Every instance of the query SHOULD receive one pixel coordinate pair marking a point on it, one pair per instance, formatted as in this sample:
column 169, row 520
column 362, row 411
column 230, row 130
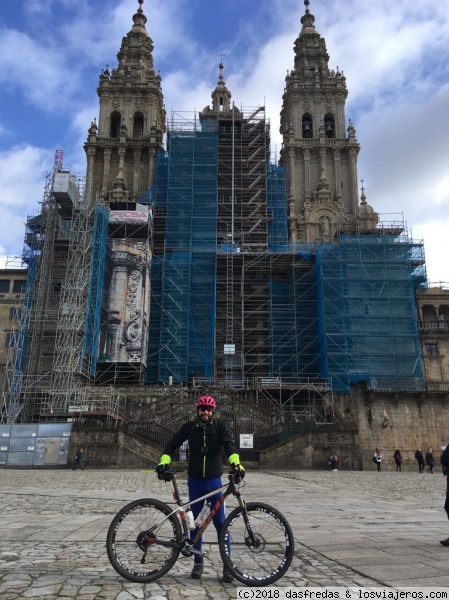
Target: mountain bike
column 147, row 536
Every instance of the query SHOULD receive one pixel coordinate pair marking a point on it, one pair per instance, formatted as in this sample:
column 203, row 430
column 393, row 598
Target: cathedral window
column 115, row 122
column 329, row 126
column 4, row 286
column 18, row 286
column 138, row 125
column 307, row 128
column 431, row 349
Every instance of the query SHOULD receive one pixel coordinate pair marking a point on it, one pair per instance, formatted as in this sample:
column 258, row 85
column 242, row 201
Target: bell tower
column 121, row 148
column 319, row 150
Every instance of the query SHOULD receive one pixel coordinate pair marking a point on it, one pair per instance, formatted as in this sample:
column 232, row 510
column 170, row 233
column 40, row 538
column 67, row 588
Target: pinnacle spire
column 139, row 18
column 221, row 80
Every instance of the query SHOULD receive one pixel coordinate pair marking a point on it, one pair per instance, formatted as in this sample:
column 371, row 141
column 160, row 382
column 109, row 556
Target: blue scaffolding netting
column 276, row 205
column 186, row 339
column 342, row 311
column 96, row 277
column 367, row 321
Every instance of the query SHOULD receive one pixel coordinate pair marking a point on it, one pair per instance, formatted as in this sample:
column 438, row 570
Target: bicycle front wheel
column 256, row 544
column 134, row 557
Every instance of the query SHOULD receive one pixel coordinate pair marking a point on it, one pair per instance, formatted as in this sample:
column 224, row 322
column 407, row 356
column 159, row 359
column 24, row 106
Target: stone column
column 151, row 166
column 106, row 167
column 337, row 167
column 306, row 152
column 353, row 198
column 291, row 171
column 90, row 171
column 137, row 157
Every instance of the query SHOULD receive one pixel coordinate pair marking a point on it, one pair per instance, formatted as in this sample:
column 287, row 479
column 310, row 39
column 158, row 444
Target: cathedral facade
column 193, row 260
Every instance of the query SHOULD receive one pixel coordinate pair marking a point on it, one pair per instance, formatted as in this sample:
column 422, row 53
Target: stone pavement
column 351, row 528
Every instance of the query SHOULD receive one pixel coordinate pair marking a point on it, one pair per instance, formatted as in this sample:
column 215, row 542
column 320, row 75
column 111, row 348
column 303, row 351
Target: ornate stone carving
column 126, row 336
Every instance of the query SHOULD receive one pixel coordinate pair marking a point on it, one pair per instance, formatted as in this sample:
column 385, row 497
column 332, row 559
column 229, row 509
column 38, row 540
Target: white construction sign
column 246, row 440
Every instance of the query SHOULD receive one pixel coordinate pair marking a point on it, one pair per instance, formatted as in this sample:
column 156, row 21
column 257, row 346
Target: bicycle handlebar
column 235, row 475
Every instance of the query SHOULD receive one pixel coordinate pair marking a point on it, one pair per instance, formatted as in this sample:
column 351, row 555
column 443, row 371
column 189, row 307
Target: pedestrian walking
column 429, row 461
column 398, row 460
column 78, row 459
column 377, row 458
column 420, row 459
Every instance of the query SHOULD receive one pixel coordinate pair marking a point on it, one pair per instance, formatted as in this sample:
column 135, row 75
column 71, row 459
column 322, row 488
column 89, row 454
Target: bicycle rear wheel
column 133, row 557
column 265, row 560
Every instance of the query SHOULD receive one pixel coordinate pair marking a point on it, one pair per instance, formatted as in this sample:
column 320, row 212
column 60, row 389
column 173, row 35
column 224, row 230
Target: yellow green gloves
column 234, row 461
column 165, row 459
column 162, row 466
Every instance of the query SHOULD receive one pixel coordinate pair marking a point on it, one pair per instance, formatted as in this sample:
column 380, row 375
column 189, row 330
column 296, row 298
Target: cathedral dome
column 366, row 214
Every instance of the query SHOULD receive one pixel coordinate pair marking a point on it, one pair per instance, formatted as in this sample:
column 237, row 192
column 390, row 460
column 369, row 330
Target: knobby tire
column 123, row 550
column 270, row 559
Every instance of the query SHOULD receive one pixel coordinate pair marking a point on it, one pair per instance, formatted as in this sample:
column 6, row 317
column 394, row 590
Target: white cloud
column 404, row 162
column 98, row 40
column 38, row 71
column 436, row 246
column 33, row 8
column 22, row 179
column 81, row 122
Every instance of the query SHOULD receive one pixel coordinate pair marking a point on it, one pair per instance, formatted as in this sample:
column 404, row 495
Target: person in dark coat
column 78, row 459
column 445, row 464
column 420, row 459
column 207, row 436
column 333, row 461
column 429, row 461
column 398, row 460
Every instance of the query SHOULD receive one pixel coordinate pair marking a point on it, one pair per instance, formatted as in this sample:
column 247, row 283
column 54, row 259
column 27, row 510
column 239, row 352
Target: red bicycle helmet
column 206, row 401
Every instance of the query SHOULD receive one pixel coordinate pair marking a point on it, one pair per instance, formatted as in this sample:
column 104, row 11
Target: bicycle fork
column 250, row 539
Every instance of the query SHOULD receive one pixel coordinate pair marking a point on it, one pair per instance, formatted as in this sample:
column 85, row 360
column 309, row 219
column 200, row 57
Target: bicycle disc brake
column 256, row 543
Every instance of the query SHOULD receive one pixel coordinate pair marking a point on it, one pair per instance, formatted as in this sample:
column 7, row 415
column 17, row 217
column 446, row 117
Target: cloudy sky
column 394, row 53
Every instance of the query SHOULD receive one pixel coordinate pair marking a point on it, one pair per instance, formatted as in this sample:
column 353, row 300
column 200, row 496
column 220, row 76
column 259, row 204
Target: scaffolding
column 188, row 266
column 119, row 293
column 159, row 200
column 30, row 358
column 243, row 259
column 277, row 206
column 232, row 302
column 368, row 329
column 69, row 375
column 94, row 302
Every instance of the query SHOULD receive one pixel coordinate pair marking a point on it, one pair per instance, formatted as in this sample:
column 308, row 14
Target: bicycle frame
column 231, row 489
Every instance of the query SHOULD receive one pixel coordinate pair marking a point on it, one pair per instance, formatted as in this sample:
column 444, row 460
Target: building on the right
column 432, row 304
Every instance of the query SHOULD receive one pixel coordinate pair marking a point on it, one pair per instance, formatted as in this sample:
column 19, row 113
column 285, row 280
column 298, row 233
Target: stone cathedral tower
column 121, row 167
column 320, row 153
column 121, row 150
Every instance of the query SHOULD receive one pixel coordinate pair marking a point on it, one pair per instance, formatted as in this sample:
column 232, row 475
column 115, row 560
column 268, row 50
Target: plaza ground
column 352, row 528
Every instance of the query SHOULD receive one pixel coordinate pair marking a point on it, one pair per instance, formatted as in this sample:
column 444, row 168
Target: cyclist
column 206, row 436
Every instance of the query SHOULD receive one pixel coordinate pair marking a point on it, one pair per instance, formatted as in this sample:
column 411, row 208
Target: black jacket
column 445, row 456
column 205, row 444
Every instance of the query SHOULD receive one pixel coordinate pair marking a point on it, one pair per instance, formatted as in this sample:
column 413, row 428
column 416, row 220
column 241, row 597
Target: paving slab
column 359, row 529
